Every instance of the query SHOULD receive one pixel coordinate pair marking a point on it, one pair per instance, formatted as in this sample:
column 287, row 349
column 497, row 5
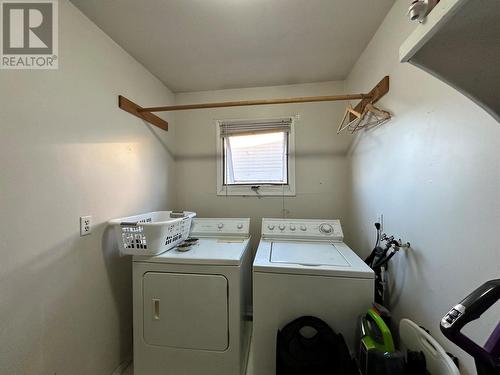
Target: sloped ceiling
column 194, row 45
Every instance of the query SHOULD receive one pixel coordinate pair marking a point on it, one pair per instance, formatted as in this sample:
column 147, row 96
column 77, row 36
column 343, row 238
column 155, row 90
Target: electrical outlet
column 380, row 220
column 85, row 225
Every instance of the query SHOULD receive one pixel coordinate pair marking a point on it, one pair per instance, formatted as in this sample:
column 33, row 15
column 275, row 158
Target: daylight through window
column 256, row 158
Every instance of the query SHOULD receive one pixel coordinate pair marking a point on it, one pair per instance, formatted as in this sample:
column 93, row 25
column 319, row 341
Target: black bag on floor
column 322, row 353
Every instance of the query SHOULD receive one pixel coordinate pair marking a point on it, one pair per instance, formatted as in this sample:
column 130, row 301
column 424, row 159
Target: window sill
column 264, row 191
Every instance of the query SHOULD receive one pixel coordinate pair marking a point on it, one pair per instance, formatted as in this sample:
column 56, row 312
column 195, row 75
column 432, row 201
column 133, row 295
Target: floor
column 130, row 369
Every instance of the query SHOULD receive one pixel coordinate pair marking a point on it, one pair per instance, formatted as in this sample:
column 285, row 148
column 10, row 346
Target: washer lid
column 334, row 259
column 307, row 254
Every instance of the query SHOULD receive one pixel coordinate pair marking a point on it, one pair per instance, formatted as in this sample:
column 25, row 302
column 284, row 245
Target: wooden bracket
column 131, row 107
column 373, row 96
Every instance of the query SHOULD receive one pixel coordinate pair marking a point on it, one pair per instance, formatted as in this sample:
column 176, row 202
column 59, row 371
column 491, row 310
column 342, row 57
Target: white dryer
column 302, row 267
column 190, row 307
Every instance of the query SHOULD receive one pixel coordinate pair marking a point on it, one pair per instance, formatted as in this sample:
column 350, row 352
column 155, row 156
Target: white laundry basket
column 416, row 339
column 152, row 233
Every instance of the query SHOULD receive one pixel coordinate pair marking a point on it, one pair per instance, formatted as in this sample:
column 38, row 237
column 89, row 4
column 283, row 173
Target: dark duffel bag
column 323, row 352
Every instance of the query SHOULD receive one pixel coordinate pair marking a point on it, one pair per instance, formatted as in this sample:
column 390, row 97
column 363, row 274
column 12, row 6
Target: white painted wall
column 321, row 166
column 434, row 172
column 66, row 150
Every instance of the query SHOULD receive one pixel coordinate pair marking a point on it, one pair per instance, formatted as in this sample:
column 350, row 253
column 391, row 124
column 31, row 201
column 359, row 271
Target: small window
column 255, row 157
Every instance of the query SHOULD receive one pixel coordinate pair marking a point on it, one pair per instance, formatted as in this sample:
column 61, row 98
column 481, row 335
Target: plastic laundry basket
column 414, row 338
column 152, row 233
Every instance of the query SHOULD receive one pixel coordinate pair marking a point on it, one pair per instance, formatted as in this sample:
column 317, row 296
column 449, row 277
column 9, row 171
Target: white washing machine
column 190, row 307
column 302, row 267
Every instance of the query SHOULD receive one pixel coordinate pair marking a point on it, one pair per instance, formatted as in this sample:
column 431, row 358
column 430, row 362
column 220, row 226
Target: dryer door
column 186, row 310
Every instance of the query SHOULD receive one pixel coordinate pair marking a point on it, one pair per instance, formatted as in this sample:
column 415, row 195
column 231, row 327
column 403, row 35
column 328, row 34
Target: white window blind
column 252, row 127
column 256, row 152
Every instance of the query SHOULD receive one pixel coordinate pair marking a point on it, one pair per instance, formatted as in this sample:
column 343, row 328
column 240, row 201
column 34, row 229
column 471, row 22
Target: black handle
column 476, row 303
column 468, row 310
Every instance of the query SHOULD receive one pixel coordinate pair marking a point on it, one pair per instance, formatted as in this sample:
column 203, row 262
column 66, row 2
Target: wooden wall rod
column 145, row 113
column 241, row 103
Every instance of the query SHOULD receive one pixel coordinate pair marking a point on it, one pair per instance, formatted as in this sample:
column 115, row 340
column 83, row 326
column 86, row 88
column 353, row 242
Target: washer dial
column 325, row 228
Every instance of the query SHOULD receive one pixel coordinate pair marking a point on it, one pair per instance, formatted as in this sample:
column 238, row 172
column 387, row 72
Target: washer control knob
column 220, row 225
column 239, row 226
column 303, row 228
column 292, row 227
column 282, row 227
column 325, row 228
column 270, row 227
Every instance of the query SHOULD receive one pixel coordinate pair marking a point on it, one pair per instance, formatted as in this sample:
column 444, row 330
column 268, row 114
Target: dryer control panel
column 236, row 227
column 305, row 229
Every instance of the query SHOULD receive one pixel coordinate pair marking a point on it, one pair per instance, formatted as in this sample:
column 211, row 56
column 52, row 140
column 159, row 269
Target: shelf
column 459, row 43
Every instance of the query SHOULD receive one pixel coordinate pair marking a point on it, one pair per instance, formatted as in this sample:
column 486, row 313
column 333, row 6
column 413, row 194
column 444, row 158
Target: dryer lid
column 224, row 251
column 307, row 254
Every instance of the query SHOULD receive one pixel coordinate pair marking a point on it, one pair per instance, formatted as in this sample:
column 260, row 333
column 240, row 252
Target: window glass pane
column 256, row 158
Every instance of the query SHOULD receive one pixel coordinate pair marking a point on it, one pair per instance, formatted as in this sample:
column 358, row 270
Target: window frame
column 265, row 189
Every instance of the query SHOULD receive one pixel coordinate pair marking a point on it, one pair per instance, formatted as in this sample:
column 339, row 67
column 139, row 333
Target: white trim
column 436, row 19
column 264, row 190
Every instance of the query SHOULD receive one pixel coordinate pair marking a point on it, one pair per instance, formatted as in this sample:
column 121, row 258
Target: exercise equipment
column 487, row 357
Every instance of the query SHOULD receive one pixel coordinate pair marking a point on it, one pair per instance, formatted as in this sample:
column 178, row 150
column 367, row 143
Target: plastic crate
column 152, row 233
